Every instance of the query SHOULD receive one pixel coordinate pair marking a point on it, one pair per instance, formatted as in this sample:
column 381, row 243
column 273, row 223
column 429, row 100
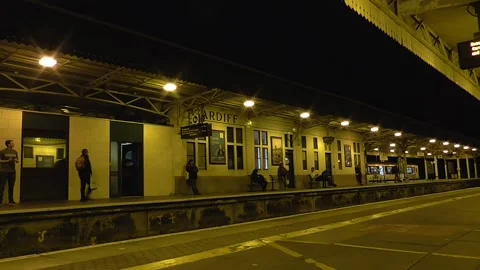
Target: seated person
column 314, row 176
column 327, row 176
column 259, row 179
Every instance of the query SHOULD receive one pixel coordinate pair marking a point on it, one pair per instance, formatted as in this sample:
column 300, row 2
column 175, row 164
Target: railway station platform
column 436, row 231
column 34, row 229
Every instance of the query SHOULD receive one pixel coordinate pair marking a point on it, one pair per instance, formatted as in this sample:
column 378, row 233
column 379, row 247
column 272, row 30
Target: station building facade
column 138, row 159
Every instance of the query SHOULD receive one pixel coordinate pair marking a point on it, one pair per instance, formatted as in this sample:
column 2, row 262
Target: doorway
column 290, row 167
column 126, row 169
column 328, row 162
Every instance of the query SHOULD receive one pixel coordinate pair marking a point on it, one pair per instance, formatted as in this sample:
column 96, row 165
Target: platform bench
column 253, row 186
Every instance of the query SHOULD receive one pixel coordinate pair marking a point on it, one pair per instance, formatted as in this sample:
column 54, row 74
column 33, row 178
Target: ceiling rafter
column 42, row 89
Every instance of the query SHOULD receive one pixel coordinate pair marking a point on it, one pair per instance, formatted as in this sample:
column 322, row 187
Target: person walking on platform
column 8, row 158
column 192, row 176
column 84, row 168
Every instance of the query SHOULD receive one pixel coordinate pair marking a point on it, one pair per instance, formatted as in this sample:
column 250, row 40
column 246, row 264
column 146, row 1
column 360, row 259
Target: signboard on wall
column 469, row 54
column 213, row 116
column 196, row 131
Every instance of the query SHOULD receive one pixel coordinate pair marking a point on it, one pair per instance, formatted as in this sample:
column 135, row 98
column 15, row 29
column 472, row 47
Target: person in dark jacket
column 84, row 168
column 259, row 179
column 358, row 175
column 328, row 178
column 192, row 171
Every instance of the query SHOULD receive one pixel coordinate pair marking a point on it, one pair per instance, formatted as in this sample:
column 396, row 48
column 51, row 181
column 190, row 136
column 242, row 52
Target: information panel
column 196, row 131
column 469, row 54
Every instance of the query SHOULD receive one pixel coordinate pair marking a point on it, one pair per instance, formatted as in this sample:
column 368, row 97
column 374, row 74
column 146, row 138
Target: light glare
column 345, row 123
column 398, row 134
column 47, row 61
column 248, row 103
column 305, row 115
column 169, row 87
column 374, row 129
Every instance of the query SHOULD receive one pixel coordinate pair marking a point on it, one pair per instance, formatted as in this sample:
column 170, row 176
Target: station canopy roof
column 79, row 86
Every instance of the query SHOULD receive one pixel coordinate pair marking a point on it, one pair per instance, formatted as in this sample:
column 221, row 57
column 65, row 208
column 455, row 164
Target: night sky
column 319, row 49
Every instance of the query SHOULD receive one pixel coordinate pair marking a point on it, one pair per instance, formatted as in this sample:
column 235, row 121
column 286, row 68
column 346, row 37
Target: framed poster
column 348, row 155
column 277, row 150
column 217, row 147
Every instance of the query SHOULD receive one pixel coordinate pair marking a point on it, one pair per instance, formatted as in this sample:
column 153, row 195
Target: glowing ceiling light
column 47, row 62
column 456, row 145
column 423, row 148
column 466, row 147
column 392, row 145
column 406, row 152
column 429, row 154
column 345, row 123
column 474, row 149
column 432, row 140
column 375, row 149
column 170, row 87
column 398, row 134
column 454, row 153
column 392, row 150
column 374, row 129
column 249, row 103
column 446, row 143
column 305, row 115
column 445, row 151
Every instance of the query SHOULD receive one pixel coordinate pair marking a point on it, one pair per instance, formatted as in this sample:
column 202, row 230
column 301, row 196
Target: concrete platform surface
column 438, row 231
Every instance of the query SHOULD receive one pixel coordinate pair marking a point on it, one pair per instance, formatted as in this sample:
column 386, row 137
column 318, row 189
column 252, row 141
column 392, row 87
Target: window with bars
column 197, row 151
column 260, row 141
column 339, row 155
column 235, row 148
column 357, row 154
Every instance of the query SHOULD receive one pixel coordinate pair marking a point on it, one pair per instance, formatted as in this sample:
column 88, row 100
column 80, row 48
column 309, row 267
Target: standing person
column 8, row 158
column 84, row 168
column 282, row 174
column 358, row 174
column 192, row 171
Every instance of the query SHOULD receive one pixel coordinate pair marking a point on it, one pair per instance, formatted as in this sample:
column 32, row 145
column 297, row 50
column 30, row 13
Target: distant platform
column 138, row 201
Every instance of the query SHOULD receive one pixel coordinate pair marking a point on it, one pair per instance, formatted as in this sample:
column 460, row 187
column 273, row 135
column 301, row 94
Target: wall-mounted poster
column 277, row 150
column 217, row 147
column 348, row 155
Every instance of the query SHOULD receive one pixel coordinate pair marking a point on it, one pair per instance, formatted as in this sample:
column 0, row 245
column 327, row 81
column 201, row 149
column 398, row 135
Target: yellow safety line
column 298, row 255
column 268, row 240
column 381, row 249
column 456, row 256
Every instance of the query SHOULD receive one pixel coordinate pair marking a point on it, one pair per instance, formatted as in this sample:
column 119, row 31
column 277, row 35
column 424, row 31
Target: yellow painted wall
column 158, row 160
column 93, row 134
column 11, row 129
column 276, row 127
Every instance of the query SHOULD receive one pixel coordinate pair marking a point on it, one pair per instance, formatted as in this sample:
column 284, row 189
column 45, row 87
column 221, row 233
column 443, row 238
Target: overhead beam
column 420, row 40
column 416, row 7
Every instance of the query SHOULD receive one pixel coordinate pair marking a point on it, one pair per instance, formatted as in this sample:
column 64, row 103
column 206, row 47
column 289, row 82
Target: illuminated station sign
column 469, row 54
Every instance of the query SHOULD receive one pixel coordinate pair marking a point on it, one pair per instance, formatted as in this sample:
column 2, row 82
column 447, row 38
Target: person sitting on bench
column 315, row 177
column 327, row 178
column 259, row 179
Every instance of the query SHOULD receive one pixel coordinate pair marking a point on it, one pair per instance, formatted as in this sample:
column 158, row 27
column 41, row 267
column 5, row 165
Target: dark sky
column 326, row 47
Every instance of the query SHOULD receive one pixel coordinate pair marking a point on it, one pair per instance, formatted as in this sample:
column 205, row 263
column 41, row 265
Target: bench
column 316, row 184
column 253, row 186
column 274, row 179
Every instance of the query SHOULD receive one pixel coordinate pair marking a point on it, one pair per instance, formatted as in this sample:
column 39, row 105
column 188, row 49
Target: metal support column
column 426, row 168
column 468, row 166
column 436, row 166
column 446, row 167
column 475, row 167
column 459, row 175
